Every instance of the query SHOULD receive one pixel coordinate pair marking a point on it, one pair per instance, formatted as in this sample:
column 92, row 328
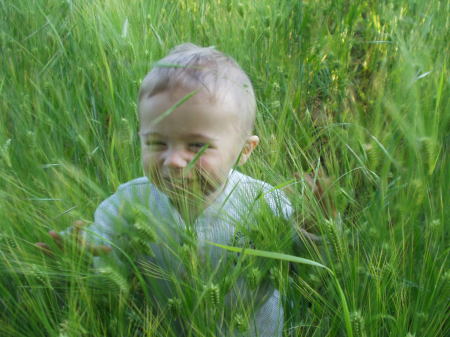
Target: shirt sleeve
column 279, row 203
column 106, row 230
column 114, row 224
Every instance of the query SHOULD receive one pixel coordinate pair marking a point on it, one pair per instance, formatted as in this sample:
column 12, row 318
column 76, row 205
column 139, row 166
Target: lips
column 176, row 184
column 172, row 180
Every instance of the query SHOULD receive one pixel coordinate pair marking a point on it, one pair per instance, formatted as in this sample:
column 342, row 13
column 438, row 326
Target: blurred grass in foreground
column 359, row 89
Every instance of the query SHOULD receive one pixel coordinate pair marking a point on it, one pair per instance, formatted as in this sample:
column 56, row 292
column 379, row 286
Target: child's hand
column 320, row 185
column 76, row 236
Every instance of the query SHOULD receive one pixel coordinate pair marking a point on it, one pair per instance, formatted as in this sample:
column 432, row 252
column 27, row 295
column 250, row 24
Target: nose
column 175, row 158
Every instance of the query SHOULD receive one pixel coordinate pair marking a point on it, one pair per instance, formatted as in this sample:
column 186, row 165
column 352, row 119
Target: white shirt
column 146, row 230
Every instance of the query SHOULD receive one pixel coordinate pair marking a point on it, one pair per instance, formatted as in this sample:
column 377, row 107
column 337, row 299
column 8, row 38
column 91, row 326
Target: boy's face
column 170, row 144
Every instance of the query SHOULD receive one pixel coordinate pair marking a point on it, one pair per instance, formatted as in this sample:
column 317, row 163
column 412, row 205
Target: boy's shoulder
column 131, row 191
column 141, row 182
column 249, row 189
column 251, row 185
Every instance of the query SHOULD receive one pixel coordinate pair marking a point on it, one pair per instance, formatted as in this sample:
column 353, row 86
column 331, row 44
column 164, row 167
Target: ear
column 250, row 144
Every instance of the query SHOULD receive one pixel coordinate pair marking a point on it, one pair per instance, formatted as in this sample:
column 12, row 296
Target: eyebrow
column 149, row 133
column 190, row 135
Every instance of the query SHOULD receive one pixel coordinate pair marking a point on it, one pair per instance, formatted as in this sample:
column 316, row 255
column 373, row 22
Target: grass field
column 356, row 89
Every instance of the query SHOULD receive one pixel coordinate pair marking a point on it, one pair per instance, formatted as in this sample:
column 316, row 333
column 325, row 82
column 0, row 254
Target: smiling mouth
column 176, row 184
column 176, row 180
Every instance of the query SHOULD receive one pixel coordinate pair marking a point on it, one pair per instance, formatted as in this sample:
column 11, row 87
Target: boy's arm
column 74, row 235
column 93, row 237
column 308, row 235
column 109, row 230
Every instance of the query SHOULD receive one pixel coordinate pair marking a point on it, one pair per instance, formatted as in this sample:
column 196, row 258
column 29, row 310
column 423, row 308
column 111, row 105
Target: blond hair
column 204, row 68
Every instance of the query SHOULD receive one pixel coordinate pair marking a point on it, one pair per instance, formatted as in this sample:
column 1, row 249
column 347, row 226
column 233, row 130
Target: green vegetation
column 358, row 89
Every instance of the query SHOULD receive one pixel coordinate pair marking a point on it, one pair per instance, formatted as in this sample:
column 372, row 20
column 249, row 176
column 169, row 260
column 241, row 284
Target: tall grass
column 357, row 89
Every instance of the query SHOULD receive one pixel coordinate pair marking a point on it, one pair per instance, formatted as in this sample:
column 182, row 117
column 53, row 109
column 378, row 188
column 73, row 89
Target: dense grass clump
column 356, row 89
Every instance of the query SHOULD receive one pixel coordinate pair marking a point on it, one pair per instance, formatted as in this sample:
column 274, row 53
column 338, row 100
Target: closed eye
column 198, row 146
column 155, row 143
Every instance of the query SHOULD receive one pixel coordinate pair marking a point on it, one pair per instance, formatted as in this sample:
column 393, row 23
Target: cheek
column 215, row 166
column 204, row 163
column 149, row 163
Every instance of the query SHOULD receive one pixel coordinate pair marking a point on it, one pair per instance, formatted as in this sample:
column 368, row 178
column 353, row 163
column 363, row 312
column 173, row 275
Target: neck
column 190, row 207
column 188, row 210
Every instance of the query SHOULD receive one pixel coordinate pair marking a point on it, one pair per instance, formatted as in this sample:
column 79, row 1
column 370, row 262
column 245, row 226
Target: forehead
column 187, row 111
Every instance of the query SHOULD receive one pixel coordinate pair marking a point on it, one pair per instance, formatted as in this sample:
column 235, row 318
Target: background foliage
column 358, row 89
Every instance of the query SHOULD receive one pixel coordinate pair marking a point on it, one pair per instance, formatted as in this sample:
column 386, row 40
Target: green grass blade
column 172, row 108
column 270, row 255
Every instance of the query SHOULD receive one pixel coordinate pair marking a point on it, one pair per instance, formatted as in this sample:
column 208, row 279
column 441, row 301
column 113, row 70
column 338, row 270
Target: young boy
column 197, row 110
